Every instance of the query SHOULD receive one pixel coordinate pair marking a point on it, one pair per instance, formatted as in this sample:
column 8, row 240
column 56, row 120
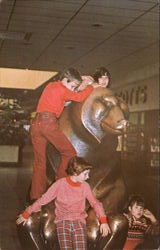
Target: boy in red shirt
column 70, row 194
column 45, row 127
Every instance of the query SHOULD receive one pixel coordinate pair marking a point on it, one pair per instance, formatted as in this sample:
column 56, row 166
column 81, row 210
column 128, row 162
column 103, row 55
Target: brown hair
column 101, row 72
column 134, row 199
column 71, row 74
column 77, row 165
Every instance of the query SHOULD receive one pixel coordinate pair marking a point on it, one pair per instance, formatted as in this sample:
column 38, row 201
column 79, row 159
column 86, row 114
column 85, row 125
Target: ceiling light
column 70, row 47
column 97, row 25
column 19, row 36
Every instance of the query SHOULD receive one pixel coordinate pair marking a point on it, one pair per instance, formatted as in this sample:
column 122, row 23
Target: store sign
column 134, row 96
column 142, row 95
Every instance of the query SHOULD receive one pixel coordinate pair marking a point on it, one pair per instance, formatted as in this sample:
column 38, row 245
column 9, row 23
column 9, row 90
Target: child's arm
column 80, row 96
column 150, row 216
column 153, row 228
column 86, row 80
column 98, row 207
column 36, row 206
column 77, row 96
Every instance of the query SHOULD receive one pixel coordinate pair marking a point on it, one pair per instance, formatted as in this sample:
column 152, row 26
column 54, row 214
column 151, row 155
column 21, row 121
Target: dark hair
column 71, row 74
column 101, row 72
column 135, row 199
column 77, row 165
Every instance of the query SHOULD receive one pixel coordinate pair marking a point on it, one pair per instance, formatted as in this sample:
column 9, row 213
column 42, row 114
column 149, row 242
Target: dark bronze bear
column 93, row 128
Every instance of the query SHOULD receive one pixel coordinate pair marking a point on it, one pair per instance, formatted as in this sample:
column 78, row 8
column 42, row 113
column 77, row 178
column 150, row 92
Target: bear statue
column 93, row 127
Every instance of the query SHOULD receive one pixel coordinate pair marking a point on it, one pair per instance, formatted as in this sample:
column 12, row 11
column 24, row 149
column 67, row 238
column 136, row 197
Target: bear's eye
column 110, row 101
column 109, row 104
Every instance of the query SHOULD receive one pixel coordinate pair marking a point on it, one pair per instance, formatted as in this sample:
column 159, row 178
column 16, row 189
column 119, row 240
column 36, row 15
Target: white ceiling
column 55, row 34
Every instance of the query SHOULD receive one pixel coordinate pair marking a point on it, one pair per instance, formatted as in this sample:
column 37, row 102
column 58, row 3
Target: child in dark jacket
column 141, row 223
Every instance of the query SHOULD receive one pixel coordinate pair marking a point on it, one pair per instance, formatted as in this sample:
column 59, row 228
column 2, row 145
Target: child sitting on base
column 141, row 223
column 70, row 194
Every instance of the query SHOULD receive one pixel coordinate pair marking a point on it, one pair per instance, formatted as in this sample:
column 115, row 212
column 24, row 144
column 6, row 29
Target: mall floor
column 14, row 184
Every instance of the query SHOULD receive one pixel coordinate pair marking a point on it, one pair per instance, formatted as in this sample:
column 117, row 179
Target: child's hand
column 104, row 229
column 20, row 220
column 86, row 80
column 149, row 215
column 95, row 85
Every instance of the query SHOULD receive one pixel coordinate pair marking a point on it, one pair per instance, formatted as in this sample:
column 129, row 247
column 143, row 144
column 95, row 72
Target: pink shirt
column 70, row 201
column 55, row 95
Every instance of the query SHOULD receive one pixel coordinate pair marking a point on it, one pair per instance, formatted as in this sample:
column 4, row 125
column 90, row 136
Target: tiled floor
column 14, row 183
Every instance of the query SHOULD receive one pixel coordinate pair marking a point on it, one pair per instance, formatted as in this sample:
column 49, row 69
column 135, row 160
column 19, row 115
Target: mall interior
column 39, row 39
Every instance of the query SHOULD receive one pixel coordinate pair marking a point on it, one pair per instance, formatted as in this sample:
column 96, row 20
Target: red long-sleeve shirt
column 56, row 94
column 70, row 199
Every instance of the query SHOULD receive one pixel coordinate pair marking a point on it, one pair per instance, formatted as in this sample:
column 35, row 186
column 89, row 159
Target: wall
column 141, row 95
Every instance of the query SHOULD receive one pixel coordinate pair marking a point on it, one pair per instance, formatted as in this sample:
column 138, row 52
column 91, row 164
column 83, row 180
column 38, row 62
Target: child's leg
column 79, row 235
column 64, row 233
column 55, row 135
column 38, row 186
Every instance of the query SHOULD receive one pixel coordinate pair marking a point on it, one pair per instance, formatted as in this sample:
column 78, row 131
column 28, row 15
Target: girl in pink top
column 70, row 195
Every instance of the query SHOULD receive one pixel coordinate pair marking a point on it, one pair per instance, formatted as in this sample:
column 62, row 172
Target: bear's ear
column 90, row 114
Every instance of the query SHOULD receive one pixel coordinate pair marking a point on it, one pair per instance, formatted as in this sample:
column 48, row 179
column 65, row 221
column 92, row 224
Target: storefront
column 139, row 146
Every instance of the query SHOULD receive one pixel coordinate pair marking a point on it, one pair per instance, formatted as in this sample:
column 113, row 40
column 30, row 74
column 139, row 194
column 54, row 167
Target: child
column 141, row 221
column 45, row 127
column 70, row 194
column 101, row 76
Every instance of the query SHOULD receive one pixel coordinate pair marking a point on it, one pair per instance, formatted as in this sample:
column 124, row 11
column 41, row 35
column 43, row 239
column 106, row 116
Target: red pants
column 45, row 128
column 72, row 235
column 132, row 244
